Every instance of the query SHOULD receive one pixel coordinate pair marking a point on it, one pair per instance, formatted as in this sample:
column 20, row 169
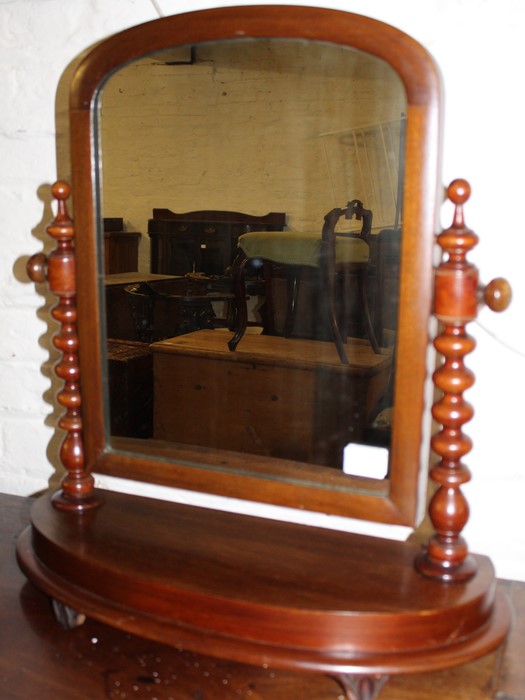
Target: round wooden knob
column 37, row 267
column 497, row 294
column 458, row 191
column 61, row 190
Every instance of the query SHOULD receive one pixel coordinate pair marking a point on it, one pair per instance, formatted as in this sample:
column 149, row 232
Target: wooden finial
column 61, row 191
column 446, row 556
column 458, row 192
column 456, row 299
column 58, row 268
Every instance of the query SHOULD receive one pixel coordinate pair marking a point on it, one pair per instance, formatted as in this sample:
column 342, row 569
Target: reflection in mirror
column 206, row 143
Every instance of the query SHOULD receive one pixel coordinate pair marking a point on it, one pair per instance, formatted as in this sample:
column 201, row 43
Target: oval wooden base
column 259, row 591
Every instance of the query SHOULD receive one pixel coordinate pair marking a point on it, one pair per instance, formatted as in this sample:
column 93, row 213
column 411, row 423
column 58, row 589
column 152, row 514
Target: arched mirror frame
column 392, row 501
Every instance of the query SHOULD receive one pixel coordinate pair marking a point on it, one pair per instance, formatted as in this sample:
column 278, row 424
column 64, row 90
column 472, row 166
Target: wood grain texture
column 267, row 350
column 94, row 661
column 421, row 80
column 274, row 396
column 269, row 593
column 58, row 268
column 455, row 304
column 456, row 301
column 259, row 591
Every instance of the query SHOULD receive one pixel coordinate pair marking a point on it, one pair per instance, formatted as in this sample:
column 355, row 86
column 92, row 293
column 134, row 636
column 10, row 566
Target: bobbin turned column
column 58, row 269
column 456, row 299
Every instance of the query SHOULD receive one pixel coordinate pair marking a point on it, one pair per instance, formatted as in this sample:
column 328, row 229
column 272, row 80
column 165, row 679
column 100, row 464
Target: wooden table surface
column 40, row 660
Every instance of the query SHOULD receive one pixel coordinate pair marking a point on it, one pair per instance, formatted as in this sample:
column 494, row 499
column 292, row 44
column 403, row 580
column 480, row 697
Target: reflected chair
column 336, row 255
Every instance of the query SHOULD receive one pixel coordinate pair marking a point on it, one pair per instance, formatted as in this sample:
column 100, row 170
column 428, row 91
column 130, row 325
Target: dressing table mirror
column 200, row 130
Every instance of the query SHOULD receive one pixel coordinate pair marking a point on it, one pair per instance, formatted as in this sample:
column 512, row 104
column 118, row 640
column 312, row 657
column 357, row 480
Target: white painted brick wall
column 260, row 119
column 479, row 47
column 37, row 41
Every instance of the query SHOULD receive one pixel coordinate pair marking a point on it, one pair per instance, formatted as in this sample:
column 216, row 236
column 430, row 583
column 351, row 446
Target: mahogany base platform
column 261, row 592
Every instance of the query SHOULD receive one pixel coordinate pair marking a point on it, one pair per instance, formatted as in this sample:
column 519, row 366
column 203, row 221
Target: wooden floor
column 40, row 660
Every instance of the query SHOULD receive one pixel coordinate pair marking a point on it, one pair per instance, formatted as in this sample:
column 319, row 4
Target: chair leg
column 292, row 282
column 269, row 307
column 363, row 287
column 339, row 344
column 239, row 293
column 328, row 283
column 378, row 303
column 344, row 295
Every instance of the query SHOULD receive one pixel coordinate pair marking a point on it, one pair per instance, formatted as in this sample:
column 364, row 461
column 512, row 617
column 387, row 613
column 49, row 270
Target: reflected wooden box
column 130, row 388
column 273, row 396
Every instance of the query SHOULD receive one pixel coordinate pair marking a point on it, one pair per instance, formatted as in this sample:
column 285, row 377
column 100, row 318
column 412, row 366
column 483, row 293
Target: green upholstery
column 296, row 248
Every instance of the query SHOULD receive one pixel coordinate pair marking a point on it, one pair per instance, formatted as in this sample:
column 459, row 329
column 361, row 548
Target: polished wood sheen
column 398, row 501
column 40, row 659
column 257, row 591
column 260, row 591
column 456, row 301
column 59, row 270
column 251, row 590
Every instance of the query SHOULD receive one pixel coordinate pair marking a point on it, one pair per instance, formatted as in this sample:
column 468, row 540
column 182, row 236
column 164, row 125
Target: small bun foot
column 66, row 617
column 358, row 687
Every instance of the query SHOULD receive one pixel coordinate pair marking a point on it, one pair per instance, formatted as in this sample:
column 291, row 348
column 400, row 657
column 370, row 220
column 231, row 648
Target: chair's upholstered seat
column 296, row 248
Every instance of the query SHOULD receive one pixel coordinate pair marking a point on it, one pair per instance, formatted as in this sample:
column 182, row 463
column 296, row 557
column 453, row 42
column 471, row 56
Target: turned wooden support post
column 58, row 268
column 456, row 299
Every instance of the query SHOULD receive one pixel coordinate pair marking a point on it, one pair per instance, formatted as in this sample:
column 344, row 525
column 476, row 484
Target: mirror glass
column 286, row 127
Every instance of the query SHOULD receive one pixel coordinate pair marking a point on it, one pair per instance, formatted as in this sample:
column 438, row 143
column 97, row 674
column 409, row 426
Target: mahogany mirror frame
column 394, row 500
column 251, row 589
